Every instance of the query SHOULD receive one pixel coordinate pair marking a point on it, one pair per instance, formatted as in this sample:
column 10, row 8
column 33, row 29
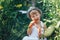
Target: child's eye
column 36, row 15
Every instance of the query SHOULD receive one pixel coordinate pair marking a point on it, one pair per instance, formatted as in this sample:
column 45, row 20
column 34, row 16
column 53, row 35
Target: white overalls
column 34, row 34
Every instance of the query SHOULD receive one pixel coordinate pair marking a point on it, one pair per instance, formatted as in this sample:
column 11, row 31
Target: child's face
column 35, row 15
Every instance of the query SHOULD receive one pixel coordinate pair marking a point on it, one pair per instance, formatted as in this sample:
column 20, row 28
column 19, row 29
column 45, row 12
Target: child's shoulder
column 42, row 23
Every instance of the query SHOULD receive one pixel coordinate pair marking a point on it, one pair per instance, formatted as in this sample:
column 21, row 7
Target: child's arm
column 29, row 30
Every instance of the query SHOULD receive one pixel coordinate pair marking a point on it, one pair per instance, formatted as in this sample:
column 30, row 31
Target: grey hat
column 33, row 8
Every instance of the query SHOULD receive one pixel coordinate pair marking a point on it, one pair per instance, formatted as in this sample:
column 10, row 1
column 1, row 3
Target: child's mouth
column 36, row 20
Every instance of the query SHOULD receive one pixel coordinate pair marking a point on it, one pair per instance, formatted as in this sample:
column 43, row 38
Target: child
column 36, row 27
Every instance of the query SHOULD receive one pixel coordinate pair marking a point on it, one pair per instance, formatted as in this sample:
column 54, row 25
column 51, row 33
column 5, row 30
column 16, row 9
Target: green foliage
column 49, row 31
column 13, row 25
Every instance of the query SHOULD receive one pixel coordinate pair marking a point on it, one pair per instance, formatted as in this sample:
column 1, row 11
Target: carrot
column 31, row 24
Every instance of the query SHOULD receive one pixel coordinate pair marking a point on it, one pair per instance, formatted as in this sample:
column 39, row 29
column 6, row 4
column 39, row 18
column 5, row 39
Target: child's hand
column 39, row 32
column 31, row 24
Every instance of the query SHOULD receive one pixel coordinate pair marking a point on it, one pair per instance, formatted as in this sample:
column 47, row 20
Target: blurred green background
column 13, row 24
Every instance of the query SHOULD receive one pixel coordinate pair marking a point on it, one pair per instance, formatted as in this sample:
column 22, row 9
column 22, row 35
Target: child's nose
column 35, row 17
